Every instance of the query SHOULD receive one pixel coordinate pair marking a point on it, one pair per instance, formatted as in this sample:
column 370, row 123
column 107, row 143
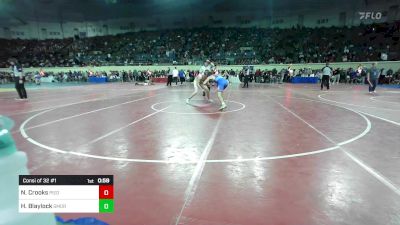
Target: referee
column 326, row 75
column 19, row 79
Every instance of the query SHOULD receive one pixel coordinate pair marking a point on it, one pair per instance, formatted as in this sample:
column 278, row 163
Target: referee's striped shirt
column 327, row 71
column 17, row 71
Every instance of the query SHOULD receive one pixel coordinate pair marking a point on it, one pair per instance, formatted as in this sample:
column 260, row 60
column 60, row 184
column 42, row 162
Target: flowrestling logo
column 370, row 15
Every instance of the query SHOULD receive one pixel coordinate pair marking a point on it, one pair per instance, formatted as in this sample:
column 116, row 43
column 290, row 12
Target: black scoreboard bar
column 66, row 179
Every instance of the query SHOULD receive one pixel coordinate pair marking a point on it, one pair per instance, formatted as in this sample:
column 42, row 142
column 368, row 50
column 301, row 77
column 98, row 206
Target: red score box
column 106, row 192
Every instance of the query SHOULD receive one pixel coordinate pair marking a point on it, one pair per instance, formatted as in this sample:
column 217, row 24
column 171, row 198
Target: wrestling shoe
column 223, row 106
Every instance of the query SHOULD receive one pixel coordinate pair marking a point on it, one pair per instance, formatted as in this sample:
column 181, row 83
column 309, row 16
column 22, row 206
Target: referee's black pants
column 325, row 81
column 169, row 81
column 20, row 87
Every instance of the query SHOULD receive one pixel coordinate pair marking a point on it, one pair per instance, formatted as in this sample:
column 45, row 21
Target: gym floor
column 279, row 154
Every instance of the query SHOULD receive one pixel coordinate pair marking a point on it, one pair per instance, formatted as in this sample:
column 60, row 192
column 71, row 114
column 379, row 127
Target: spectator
column 182, row 76
column 169, row 81
column 246, row 77
column 372, row 78
column 336, row 76
column 175, row 75
column 225, row 45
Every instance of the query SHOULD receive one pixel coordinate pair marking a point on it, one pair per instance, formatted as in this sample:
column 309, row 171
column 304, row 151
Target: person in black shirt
column 246, row 78
column 169, row 79
column 19, row 79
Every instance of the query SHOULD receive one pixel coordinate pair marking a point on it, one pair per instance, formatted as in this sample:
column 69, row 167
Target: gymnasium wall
column 394, row 65
column 333, row 16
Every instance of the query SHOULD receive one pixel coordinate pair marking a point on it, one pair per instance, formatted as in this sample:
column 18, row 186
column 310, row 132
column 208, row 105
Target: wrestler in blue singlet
column 221, row 82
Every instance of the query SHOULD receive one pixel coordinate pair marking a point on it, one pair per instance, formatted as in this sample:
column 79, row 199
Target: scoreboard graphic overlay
column 66, row 193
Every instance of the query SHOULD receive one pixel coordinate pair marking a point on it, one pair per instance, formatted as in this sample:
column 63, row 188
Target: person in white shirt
column 290, row 73
column 205, row 70
column 175, row 74
column 149, row 77
column 326, row 75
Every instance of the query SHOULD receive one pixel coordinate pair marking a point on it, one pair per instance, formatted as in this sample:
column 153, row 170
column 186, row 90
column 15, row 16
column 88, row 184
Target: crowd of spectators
column 348, row 76
column 340, row 75
column 83, row 76
column 222, row 45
